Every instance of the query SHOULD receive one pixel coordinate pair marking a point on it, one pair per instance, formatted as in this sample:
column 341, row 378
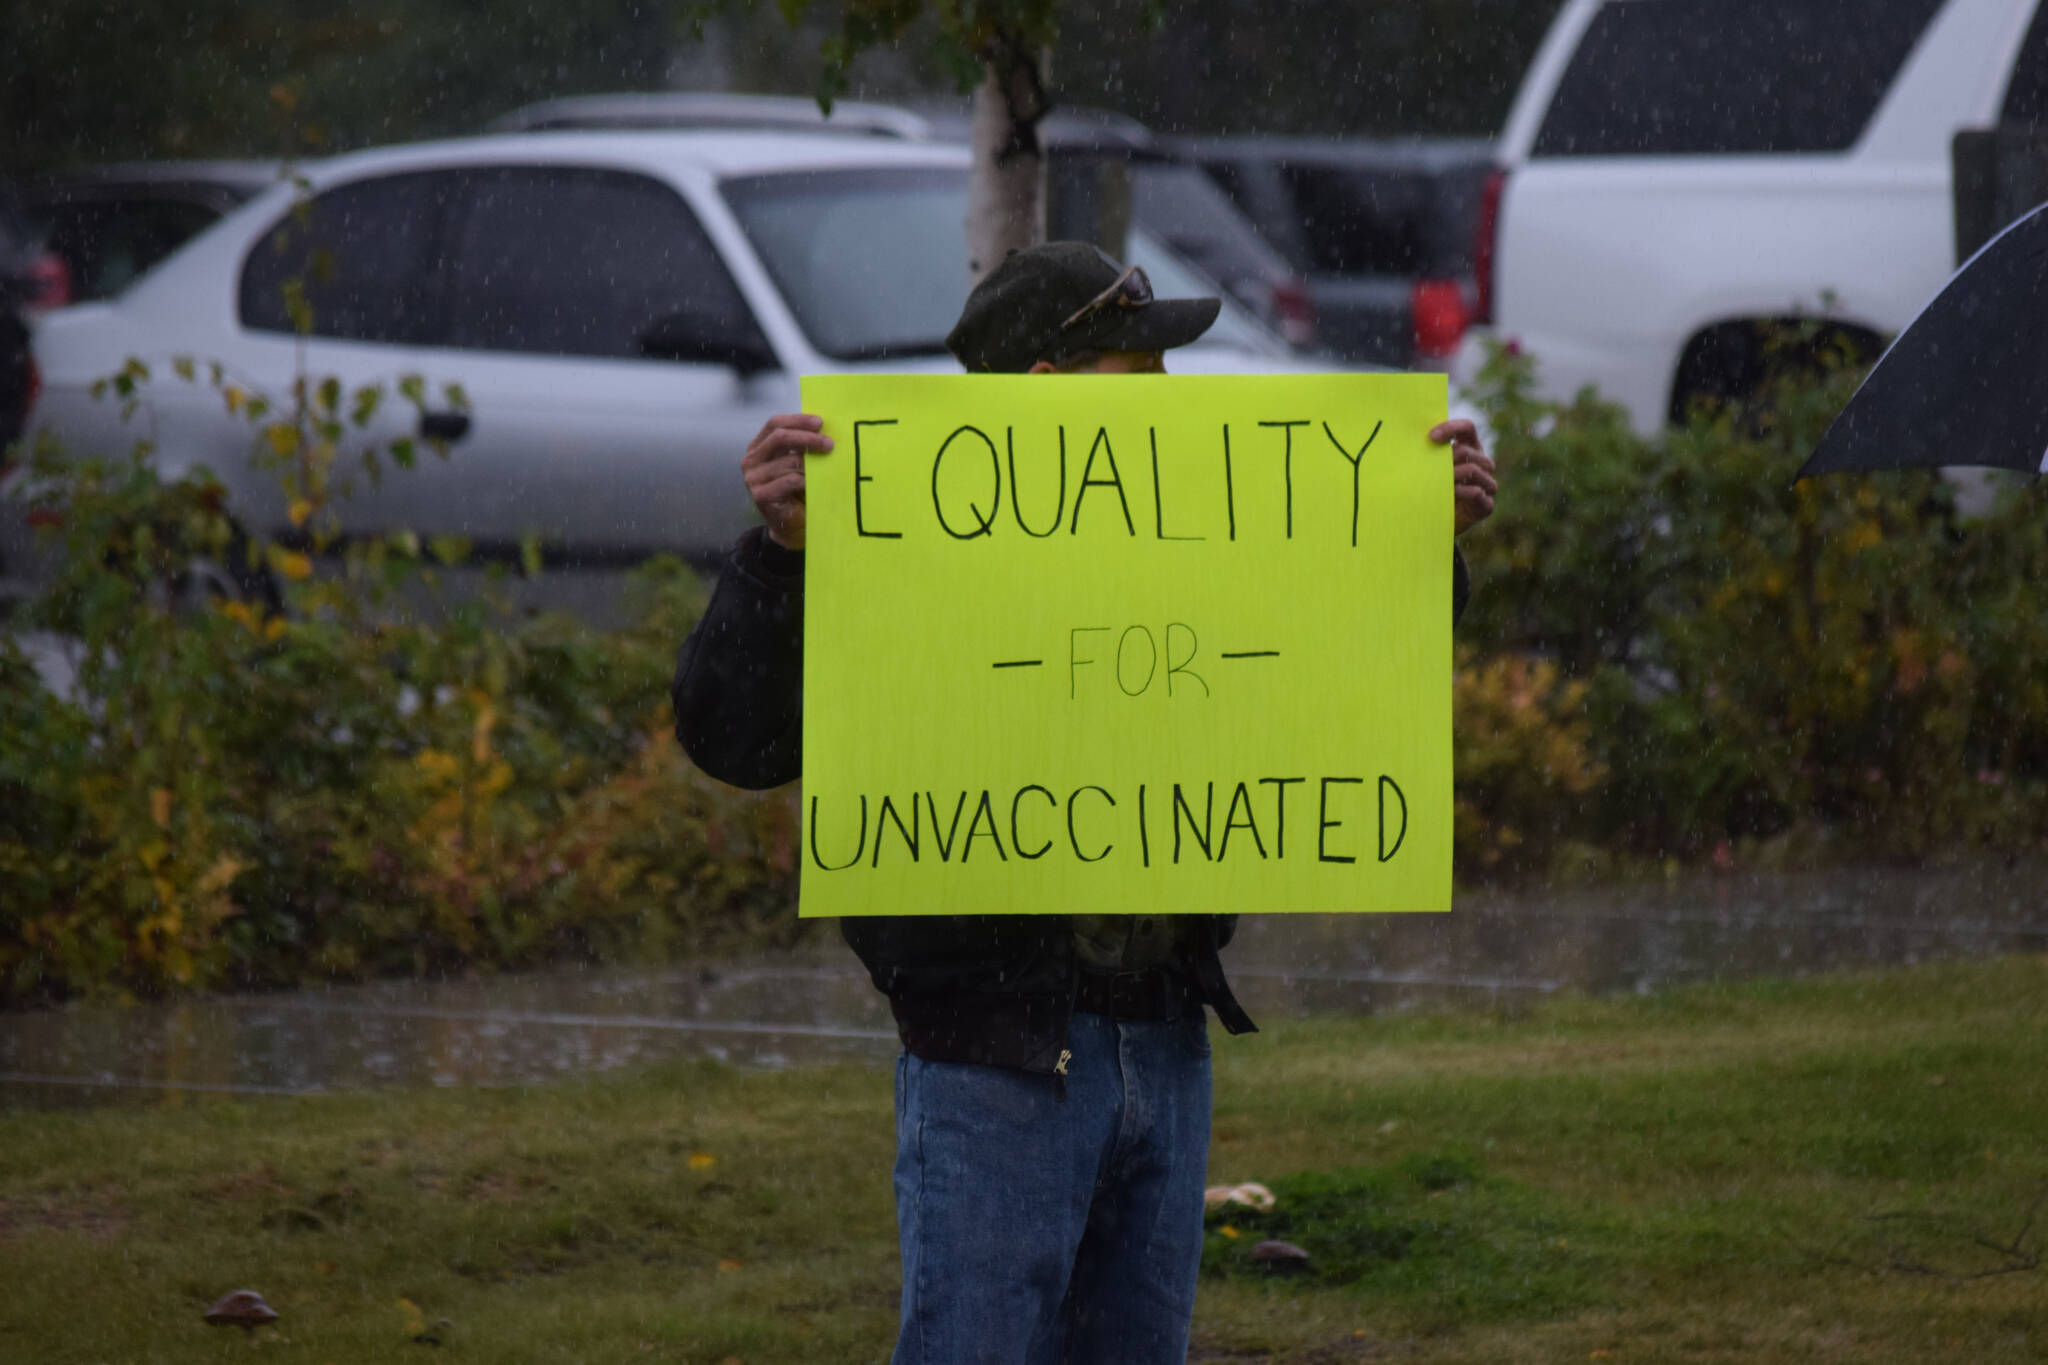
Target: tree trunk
column 1006, row 190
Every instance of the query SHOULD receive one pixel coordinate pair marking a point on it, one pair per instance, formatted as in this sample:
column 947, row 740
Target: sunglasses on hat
column 1128, row 291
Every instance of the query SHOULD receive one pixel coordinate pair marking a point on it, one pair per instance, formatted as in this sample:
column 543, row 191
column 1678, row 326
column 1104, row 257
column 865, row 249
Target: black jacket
column 995, row 989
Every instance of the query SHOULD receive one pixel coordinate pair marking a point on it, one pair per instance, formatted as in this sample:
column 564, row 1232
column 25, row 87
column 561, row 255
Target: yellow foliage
column 1523, row 758
column 1862, row 536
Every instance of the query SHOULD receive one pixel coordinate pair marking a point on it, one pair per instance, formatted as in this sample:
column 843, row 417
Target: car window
column 872, row 262
column 1359, row 222
column 1181, row 204
column 1662, row 77
column 365, row 255
column 2026, row 95
column 109, row 243
column 569, row 261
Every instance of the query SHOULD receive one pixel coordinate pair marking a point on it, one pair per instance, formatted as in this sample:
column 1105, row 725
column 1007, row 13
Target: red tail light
column 1441, row 316
column 1296, row 314
column 1488, row 237
column 49, row 282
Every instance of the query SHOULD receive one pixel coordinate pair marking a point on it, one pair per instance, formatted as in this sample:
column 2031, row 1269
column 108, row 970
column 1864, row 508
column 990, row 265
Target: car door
column 556, row 277
column 344, row 287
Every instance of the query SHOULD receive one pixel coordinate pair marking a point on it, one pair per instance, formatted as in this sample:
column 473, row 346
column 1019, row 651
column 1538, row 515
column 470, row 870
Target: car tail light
column 1441, row 315
column 1296, row 314
column 49, row 282
column 1483, row 248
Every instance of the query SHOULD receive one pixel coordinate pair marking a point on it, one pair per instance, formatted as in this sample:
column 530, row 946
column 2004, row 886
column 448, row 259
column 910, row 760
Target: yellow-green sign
column 1127, row 644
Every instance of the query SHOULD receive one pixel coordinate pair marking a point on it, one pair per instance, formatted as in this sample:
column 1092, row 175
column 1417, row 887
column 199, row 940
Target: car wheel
column 1736, row 363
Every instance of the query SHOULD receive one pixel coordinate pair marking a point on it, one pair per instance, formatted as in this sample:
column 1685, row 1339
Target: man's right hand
column 774, row 470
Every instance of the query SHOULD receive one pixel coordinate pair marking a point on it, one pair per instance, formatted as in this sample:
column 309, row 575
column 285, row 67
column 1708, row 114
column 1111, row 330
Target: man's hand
column 1472, row 471
column 774, row 470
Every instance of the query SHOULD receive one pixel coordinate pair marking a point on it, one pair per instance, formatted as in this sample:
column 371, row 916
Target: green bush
column 234, row 795
column 1673, row 654
column 1746, row 660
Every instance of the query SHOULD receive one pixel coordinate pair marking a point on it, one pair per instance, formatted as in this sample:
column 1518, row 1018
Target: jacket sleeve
column 1461, row 585
column 738, row 690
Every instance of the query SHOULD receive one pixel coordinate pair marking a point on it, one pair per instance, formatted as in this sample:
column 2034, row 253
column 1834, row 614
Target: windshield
column 873, row 262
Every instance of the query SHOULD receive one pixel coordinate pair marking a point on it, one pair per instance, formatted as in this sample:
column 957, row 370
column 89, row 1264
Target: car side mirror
column 709, row 339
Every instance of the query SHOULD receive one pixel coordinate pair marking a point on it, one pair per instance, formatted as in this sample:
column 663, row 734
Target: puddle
column 1493, row 947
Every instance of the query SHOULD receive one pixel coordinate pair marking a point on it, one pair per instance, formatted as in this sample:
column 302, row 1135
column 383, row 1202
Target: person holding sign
column 1053, row 1092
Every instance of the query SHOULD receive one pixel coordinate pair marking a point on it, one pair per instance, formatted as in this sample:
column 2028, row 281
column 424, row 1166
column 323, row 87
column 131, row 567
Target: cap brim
column 1159, row 326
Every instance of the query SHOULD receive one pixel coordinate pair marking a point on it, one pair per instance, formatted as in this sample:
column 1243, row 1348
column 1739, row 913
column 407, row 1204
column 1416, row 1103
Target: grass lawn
column 1839, row 1169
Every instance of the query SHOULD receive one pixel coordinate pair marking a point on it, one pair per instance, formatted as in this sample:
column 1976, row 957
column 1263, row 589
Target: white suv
column 1679, row 176
column 622, row 310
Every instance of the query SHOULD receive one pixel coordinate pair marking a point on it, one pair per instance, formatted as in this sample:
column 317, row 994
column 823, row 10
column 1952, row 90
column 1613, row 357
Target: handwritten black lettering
column 909, row 836
column 1016, row 839
column 1059, row 505
column 1074, row 660
column 1356, row 461
column 952, row 831
column 1151, row 660
column 1287, row 463
column 1180, row 807
column 1115, row 480
column 1325, row 824
column 1074, row 839
column 1280, row 786
column 1144, row 834
column 984, row 522
column 860, row 525
column 1159, row 496
column 1387, row 784
column 1173, row 668
column 818, row 858
column 1241, row 799
column 984, row 813
column 1229, row 484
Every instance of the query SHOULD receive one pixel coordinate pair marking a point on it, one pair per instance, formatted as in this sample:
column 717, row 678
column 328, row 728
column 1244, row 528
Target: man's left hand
column 1472, row 472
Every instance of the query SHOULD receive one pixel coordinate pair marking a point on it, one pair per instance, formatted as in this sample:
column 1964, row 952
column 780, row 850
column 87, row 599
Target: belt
column 1154, row 994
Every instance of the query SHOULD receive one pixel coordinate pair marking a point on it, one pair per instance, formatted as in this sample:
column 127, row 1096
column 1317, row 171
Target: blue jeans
column 1037, row 1230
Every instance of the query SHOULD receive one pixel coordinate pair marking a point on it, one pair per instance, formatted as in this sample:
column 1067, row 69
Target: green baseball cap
column 1061, row 299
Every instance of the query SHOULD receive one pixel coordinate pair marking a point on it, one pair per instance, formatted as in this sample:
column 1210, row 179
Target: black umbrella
column 1967, row 382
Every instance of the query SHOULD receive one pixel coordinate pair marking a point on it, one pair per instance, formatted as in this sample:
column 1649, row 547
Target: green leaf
column 368, row 399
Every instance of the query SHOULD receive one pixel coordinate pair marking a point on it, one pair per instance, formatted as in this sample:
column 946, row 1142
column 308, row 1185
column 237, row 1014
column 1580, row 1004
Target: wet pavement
column 1494, row 950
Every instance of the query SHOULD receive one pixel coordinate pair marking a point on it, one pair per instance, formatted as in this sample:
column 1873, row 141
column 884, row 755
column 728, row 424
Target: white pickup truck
column 1679, row 177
